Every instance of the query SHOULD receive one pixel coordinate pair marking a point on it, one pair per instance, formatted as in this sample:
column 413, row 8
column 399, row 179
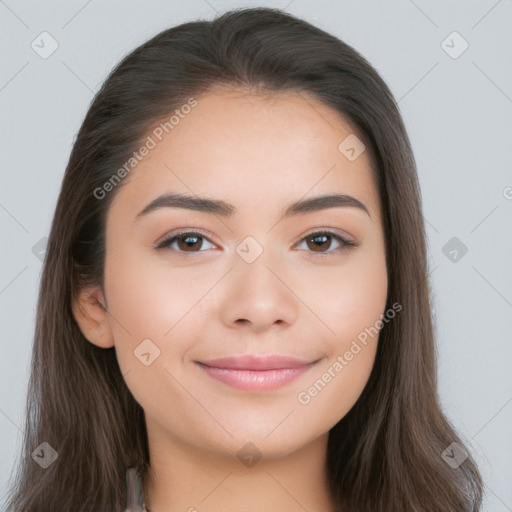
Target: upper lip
column 256, row 362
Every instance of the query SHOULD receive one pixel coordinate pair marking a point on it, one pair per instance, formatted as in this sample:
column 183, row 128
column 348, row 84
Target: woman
column 234, row 306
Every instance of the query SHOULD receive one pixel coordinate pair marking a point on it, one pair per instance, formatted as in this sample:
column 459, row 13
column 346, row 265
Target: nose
column 258, row 296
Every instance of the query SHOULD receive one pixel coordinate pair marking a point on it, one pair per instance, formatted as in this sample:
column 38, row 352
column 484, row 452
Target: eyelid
column 342, row 234
column 184, row 231
column 346, row 241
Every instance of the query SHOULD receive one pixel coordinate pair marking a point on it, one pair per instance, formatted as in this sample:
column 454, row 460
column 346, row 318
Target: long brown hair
column 385, row 454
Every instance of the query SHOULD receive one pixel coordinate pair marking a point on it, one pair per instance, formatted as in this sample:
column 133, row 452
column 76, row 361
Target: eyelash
column 345, row 245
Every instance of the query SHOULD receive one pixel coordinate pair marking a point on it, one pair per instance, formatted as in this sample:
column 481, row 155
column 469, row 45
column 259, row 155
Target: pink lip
column 255, row 373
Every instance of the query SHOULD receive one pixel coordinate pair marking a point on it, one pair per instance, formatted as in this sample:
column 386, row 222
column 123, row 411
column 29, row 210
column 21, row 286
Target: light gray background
column 457, row 112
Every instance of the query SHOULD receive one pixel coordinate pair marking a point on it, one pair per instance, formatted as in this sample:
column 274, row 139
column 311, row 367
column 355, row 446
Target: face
column 281, row 292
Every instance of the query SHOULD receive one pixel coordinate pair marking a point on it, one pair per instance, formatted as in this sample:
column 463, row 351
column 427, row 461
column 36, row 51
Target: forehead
column 251, row 149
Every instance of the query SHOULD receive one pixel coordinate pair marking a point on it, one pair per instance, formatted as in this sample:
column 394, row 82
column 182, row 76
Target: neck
column 184, row 478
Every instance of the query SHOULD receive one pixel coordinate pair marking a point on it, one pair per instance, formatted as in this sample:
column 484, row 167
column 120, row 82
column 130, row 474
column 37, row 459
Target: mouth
column 254, row 372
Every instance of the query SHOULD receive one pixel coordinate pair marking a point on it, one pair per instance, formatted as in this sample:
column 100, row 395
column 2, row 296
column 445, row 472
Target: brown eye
column 192, row 242
column 187, row 241
column 321, row 242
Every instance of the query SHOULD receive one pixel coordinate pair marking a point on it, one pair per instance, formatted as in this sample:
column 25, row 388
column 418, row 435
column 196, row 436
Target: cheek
column 336, row 385
column 357, row 305
column 350, row 302
column 147, row 302
column 346, row 297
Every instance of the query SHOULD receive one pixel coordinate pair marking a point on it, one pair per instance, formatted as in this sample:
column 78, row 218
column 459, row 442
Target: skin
column 258, row 153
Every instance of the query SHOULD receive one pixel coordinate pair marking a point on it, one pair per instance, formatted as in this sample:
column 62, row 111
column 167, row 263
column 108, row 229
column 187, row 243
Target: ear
column 91, row 315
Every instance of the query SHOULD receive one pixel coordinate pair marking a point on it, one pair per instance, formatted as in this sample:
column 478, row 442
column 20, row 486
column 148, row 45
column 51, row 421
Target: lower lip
column 255, row 380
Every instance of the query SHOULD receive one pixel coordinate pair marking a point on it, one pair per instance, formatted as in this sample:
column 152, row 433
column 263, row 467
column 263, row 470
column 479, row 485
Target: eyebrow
column 226, row 210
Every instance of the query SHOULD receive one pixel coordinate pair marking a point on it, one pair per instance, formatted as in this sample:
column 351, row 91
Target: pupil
column 318, row 237
column 189, row 244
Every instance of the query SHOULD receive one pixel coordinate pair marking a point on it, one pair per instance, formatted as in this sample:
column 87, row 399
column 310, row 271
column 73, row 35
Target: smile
column 255, row 373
